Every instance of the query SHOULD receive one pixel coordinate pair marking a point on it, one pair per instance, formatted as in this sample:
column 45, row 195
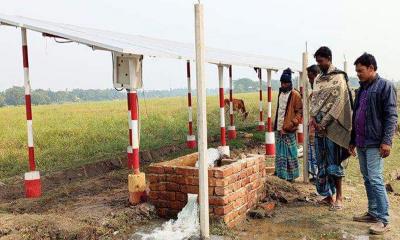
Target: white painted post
column 201, row 123
column 345, row 66
column 305, row 117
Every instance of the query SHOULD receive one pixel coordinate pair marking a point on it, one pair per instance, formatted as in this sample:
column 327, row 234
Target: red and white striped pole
column 269, row 134
column 129, row 149
column 261, row 125
column 136, row 181
column 133, row 101
column 223, row 148
column 33, row 188
column 300, row 130
column 191, row 138
column 231, row 127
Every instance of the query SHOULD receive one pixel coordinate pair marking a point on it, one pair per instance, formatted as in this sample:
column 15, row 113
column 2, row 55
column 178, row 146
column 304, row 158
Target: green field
column 69, row 135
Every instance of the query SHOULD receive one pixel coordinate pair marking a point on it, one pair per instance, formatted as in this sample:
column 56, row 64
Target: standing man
column 312, row 73
column 331, row 112
column 289, row 113
column 374, row 124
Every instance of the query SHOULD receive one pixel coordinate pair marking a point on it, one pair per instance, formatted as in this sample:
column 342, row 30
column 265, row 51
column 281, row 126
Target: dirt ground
column 97, row 208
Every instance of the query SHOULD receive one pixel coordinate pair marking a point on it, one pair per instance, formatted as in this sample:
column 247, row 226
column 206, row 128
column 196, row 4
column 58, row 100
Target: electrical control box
column 127, row 71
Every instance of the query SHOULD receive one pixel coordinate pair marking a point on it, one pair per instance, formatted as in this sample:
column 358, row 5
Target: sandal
column 335, row 207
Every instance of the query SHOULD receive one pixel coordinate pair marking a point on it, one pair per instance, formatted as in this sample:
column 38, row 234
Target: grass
column 70, row 135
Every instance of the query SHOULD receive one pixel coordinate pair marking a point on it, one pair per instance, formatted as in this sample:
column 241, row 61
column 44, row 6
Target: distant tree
column 14, row 96
column 2, row 100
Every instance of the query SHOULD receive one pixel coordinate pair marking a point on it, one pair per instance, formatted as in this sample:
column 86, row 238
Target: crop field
column 69, row 135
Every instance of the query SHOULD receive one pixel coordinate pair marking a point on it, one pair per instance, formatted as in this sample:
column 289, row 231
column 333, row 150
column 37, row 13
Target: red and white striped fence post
column 269, row 134
column 129, row 149
column 33, row 187
column 300, row 130
column 231, row 127
column 223, row 148
column 191, row 138
column 261, row 125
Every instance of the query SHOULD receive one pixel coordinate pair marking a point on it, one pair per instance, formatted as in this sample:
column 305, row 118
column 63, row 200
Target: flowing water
column 187, row 225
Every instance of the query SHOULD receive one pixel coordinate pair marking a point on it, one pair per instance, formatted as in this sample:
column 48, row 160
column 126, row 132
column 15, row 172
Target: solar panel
column 147, row 46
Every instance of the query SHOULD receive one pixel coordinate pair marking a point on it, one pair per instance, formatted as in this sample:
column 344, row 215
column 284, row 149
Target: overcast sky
column 269, row 27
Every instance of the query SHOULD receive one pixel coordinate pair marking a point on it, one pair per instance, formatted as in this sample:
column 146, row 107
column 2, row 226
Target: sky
column 278, row 28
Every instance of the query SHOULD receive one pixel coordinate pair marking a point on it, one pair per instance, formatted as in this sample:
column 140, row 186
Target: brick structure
column 233, row 188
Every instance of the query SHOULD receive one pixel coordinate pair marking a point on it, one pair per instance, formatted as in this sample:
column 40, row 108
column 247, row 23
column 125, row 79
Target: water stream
column 185, row 226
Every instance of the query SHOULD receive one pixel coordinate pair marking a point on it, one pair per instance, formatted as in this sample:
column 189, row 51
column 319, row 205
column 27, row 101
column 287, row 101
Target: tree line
column 14, row 96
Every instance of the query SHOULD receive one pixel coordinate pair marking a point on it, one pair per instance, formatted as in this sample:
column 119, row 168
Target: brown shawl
column 331, row 97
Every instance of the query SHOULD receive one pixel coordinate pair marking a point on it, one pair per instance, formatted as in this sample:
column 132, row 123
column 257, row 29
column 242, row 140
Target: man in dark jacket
column 374, row 124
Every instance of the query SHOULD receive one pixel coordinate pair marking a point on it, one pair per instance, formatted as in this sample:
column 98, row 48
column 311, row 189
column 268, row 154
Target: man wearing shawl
column 287, row 118
column 331, row 114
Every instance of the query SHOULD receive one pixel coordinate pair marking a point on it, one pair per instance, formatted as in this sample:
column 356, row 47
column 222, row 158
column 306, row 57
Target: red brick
column 188, row 171
column 220, row 211
column 223, row 172
column 245, row 181
column 250, row 162
column 268, row 206
column 230, row 216
column 156, row 169
column 192, row 181
column 233, row 178
column 181, row 197
column 218, row 201
column 155, row 178
column 170, row 196
column 189, row 189
column 253, row 177
column 243, row 174
column 239, row 202
column 237, row 167
column 173, row 187
column 236, row 186
column 256, row 169
column 177, row 205
column 158, row 186
column 211, row 191
column 249, row 171
column 216, row 182
column 153, row 195
column 169, row 170
column 223, row 191
column 171, row 178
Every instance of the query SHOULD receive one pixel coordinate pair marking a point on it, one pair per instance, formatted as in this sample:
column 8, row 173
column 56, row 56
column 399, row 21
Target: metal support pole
column 261, row 125
column 231, row 127
column 33, row 187
column 191, row 139
column 269, row 134
column 221, row 104
column 305, row 117
column 300, row 131
column 201, row 122
column 129, row 149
